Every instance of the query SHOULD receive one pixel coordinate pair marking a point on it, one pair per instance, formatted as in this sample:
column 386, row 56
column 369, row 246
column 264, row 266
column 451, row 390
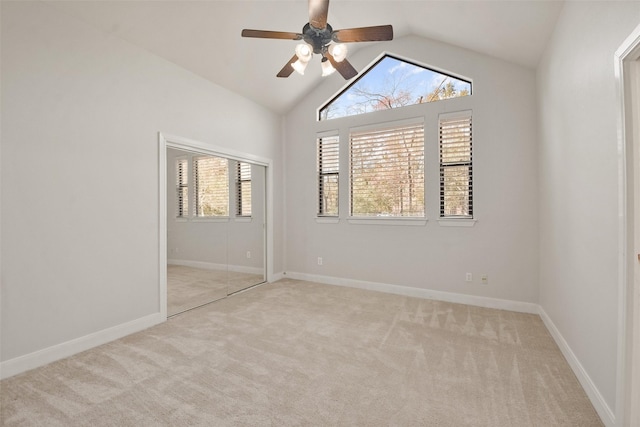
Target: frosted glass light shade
column 299, row 66
column 338, row 51
column 304, row 52
column 327, row 68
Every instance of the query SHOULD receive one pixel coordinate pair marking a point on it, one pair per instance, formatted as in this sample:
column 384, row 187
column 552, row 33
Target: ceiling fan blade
column 345, row 69
column 288, row 69
column 318, row 11
column 364, row 34
column 261, row 34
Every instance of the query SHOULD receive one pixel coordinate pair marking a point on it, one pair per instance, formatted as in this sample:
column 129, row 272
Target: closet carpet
column 295, row 353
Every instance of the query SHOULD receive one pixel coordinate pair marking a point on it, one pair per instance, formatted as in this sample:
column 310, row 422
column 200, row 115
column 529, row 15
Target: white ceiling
column 204, row 36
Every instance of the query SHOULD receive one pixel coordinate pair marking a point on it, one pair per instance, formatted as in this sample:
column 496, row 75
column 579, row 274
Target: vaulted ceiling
column 204, row 36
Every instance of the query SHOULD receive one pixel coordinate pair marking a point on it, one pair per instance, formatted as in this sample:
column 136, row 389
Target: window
column 182, row 188
column 243, row 189
column 456, row 167
column 328, row 167
column 211, row 180
column 387, row 171
column 393, row 83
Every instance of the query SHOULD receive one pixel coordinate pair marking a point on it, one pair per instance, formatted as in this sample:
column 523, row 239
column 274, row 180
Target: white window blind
column 211, row 179
column 243, row 189
column 387, row 171
column 328, row 174
column 182, row 188
column 456, row 166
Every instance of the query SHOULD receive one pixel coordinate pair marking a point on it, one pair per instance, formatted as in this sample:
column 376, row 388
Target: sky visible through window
column 393, row 83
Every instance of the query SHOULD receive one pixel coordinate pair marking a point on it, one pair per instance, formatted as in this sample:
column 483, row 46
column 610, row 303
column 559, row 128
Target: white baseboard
column 47, row 355
column 598, row 402
column 197, row 264
column 501, row 304
column 213, row 266
column 42, row 357
column 276, row 276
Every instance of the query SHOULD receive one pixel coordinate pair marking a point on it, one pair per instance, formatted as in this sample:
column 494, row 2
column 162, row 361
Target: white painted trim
column 187, row 144
column 212, row 266
column 277, row 276
column 172, row 141
column 369, row 66
column 625, row 410
column 47, row 355
column 197, row 264
column 328, row 133
column 598, row 401
column 327, row 220
column 500, row 304
column 457, row 222
column 243, row 219
column 389, row 124
column 162, row 224
column 269, row 253
column 387, row 221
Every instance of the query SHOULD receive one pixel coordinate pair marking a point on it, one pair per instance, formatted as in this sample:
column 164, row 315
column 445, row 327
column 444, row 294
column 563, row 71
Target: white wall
column 579, row 184
column 81, row 112
column 504, row 241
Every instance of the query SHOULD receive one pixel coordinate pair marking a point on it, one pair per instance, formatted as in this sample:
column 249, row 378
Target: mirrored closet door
column 215, row 228
column 246, row 232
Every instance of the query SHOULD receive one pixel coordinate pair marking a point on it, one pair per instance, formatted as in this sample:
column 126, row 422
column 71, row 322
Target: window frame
column 195, row 215
column 182, row 182
column 443, row 166
column 392, row 219
column 375, row 63
column 321, row 174
column 240, row 180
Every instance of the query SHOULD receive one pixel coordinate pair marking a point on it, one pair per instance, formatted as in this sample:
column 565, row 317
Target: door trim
column 172, row 141
column 628, row 370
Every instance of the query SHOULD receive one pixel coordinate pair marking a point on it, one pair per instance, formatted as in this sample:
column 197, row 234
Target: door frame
column 172, row 141
column 628, row 370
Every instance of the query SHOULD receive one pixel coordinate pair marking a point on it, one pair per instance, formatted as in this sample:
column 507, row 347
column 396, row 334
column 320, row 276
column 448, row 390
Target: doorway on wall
column 628, row 73
column 212, row 223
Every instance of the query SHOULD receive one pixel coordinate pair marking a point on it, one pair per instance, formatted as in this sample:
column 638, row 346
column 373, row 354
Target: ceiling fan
column 321, row 39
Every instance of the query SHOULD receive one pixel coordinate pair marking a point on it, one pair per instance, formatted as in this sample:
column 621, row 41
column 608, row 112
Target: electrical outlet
column 469, row 277
column 484, row 279
column 248, row 254
column 319, row 260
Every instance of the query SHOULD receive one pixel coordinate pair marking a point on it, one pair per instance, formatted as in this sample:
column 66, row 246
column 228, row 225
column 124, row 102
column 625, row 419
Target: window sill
column 243, row 219
column 211, row 219
column 327, row 220
column 389, row 221
column 457, row 222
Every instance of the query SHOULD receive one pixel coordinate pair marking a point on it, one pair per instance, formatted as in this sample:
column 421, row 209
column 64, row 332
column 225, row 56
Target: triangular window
column 393, row 83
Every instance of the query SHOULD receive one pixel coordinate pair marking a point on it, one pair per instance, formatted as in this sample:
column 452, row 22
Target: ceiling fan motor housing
column 317, row 38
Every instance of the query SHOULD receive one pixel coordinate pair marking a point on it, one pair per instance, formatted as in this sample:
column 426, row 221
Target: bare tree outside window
column 387, row 172
column 211, row 180
column 394, row 83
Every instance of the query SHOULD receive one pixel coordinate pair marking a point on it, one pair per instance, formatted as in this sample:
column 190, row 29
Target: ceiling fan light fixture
column 319, row 37
column 300, row 66
column 327, row 68
column 338, row 51
column 304, row 52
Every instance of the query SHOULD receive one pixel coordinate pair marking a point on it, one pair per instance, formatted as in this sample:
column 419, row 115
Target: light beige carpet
column 189, row 287
column 302, row 354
